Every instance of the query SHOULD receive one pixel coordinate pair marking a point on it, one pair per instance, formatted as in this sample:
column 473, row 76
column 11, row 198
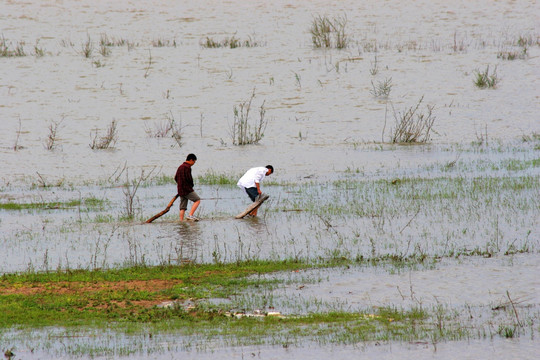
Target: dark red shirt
column 183, row 179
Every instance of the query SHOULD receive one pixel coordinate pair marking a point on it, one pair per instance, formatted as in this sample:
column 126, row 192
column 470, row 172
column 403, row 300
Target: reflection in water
column 251, row 236
column 256, row 226
column 236, row 240
column 188, row 242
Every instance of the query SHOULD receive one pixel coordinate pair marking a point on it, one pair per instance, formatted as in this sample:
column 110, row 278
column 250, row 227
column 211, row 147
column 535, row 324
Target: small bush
column 383, row 88
column 130, row 188
column 52, row 138
column 242, row 131
column 161, row 129
column 165, row 128
column 106, row 141
column 175, row 129
column 413, row 126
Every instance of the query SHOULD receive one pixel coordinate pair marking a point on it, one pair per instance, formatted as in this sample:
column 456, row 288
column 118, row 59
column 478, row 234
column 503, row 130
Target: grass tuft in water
column 213, row 178
column 229, row 42
column 327, row 33
column 87, row 48
column 5, row 50
column 383, row 88
column 485, row 79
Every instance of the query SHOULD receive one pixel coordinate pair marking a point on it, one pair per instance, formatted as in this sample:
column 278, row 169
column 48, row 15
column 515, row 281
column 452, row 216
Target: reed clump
column 229, row 42
column 6, row 51
column 329, row 33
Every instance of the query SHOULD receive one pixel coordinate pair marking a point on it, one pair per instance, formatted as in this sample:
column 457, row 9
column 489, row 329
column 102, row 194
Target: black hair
column 191, row 157
column 270, row 167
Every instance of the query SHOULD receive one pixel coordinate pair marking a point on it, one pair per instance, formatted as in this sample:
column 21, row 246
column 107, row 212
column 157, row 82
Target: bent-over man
column 250, row 182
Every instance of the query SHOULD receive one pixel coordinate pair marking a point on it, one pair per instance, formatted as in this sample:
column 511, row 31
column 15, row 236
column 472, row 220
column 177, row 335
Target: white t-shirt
column 252, row 176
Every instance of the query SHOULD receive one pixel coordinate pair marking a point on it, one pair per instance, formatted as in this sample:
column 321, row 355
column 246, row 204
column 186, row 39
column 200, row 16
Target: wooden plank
column 253, row 206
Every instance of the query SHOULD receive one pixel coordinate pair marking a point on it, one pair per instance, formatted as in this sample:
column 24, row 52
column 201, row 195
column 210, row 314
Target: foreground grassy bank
column 147, row 311
column 132, row 301
column 177, row 300
column 82, row 297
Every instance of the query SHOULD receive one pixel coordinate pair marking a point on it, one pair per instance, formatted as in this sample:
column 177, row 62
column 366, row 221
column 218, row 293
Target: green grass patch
column 160, row 180
column 40, row 206
column 214, row 178
column 90, row 203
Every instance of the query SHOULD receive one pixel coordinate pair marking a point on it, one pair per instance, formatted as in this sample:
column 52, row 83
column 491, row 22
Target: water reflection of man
column 184, row 182
column 188, row 244
column 250, row 182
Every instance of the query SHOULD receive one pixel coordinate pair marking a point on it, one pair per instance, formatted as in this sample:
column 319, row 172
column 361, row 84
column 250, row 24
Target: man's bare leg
column 194, row 207
column 182, row 212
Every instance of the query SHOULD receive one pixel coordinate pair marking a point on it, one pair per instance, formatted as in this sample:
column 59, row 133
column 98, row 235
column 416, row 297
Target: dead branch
column 166, row 210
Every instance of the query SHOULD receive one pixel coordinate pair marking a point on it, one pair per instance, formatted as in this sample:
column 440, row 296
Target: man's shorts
column 252, row 193
column 192, row 196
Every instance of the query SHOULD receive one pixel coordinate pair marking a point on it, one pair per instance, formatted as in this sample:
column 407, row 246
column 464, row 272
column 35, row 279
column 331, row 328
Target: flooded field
column 450, row 225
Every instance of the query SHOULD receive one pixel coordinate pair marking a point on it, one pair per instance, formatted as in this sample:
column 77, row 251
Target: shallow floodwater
column 327, row 137
column 467, row 350
column 455, row 283
column 318, row 102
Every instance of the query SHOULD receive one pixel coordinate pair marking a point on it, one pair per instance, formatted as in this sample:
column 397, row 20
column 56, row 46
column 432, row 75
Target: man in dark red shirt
column 184, row 180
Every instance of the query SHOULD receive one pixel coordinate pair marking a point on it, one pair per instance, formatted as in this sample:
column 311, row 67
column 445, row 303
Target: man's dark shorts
column 192, row 196
column 252, row 193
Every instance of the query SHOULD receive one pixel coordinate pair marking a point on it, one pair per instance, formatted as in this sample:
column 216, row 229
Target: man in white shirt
column 251, row 180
